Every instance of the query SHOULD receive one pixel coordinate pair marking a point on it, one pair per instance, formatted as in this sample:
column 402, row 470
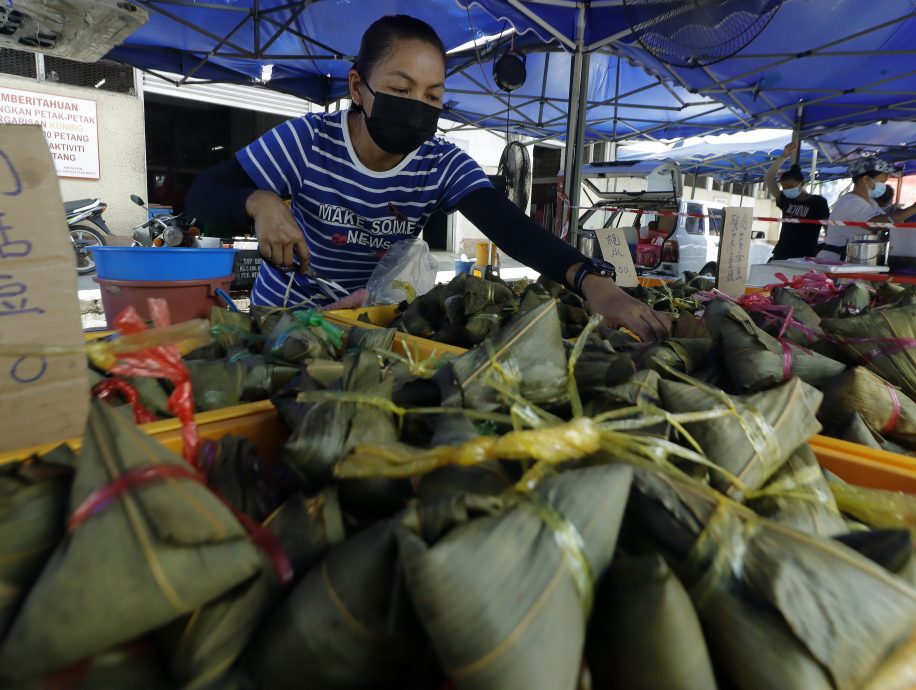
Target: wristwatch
column 593, row 267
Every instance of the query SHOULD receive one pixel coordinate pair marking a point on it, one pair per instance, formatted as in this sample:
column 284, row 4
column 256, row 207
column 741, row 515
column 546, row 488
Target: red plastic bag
column 162, row 362
column 109, row 388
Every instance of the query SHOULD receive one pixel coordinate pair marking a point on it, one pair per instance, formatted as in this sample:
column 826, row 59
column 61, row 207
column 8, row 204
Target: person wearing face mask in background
column 869, row 178
column 796, row 240
column 886, row 200
column 364, row 178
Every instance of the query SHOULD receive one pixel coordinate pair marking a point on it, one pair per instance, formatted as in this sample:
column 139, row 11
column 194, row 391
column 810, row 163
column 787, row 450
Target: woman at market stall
column 796, row 240
column 363, row 178
column 869, row 177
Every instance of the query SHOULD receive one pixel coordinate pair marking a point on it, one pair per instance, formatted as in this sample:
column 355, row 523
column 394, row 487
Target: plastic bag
column 407, row 262
column 163, row 361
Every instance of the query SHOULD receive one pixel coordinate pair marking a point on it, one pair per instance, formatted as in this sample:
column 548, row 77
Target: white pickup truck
column 647, row 187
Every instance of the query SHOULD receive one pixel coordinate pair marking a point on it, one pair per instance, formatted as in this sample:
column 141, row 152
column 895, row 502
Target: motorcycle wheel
column 82, row 237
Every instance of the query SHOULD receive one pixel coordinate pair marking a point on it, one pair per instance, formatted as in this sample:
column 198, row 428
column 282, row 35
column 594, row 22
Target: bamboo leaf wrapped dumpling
column 755, row 438
column 885, row 409
column 159, row 549
column 817, row 586
column 263, row 379
column 687, row 355
column 530, row 349
column 203, row 647
column 756, row 360
column 798, row 496
column 230, row 328
column 348, row 624
column 480, row 293
column 644, row 633
column 883, row 339
column 216, row 385
column 33, row 513
column 505, row 597
column 295, row 340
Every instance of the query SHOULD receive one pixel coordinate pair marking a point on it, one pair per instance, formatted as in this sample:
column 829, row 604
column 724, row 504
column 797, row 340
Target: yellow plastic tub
column 863, row 466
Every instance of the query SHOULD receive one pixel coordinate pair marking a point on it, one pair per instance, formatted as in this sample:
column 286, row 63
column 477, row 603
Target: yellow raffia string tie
column 795, row 487
column 574, row 398
column 422, row 368
column 726, row 540
column 555, row 444
column 186, row 336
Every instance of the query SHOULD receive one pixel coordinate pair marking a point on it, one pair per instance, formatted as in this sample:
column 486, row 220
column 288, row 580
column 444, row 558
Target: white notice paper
column 734, row 250
column 613, row 243
column 69, row 124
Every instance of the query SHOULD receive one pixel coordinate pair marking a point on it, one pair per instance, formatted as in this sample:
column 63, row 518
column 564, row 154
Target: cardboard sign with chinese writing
column 43, row 399
column 734, row 250
column 614, row 248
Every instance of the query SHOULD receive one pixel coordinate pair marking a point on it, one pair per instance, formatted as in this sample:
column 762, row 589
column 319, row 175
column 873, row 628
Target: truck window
column 694, row 226
column 715, row 221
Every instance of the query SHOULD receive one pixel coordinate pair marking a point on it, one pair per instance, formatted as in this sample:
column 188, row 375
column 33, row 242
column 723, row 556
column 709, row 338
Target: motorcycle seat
column 79, row 205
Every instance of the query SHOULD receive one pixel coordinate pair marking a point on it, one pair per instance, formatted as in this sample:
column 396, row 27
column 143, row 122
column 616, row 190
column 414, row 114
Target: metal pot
column 865, row 250
column 587, row 243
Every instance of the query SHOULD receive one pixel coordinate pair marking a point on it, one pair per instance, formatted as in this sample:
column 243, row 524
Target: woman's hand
column 280, row 238
column 621, row 310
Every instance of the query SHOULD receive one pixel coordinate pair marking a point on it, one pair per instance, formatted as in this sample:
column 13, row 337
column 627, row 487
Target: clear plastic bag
column 407, row 263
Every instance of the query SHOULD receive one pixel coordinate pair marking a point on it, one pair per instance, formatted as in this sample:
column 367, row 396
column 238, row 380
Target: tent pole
column 813, row 165
column 796, row 133
column 575, row 130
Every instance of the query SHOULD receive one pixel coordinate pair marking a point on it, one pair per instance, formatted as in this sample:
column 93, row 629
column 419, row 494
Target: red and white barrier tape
column 766, row 219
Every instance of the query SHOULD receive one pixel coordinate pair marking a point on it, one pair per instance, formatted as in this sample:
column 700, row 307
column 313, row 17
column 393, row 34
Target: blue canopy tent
column 303, row 47
column 742, row 157
column 234, row 41
column 851, row 66
column 845, row 72
column 621, row 102
column 893, row 140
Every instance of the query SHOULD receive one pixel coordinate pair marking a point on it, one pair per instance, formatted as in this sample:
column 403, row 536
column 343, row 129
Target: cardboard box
column 43, row 397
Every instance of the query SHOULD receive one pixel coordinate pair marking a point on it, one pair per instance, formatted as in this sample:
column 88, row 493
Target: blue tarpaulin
column 844, row 65
column 622, row 101
column 844, row 61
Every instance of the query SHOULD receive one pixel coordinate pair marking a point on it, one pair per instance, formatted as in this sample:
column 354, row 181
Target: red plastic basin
column 187, row 299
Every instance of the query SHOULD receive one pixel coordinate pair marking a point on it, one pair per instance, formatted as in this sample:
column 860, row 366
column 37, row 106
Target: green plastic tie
column 312, row 319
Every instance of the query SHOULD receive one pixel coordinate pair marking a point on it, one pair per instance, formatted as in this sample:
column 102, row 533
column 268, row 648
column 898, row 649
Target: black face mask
column 399, row 125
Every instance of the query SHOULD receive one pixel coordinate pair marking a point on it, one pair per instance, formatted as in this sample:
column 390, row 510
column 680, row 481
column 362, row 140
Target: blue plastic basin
column 161, row 263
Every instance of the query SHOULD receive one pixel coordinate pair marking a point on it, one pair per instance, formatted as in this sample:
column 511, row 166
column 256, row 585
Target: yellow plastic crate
column 381, row 317
column 260, row 423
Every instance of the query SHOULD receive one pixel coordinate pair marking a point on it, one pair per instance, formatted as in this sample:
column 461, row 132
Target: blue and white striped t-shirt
column 349, row 214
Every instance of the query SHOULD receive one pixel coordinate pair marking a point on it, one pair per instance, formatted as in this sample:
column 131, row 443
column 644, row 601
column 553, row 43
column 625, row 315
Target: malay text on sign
column 70, row 126
column 614, row 248
column 734, row 250
column 44, row 398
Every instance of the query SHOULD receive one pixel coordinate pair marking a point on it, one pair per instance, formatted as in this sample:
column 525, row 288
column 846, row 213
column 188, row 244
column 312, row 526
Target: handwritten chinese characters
column 734, row 250
column 614, row 248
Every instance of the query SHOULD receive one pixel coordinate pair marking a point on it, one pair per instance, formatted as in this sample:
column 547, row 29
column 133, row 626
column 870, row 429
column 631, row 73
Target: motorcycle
column 176, row 230
column 87, row 229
